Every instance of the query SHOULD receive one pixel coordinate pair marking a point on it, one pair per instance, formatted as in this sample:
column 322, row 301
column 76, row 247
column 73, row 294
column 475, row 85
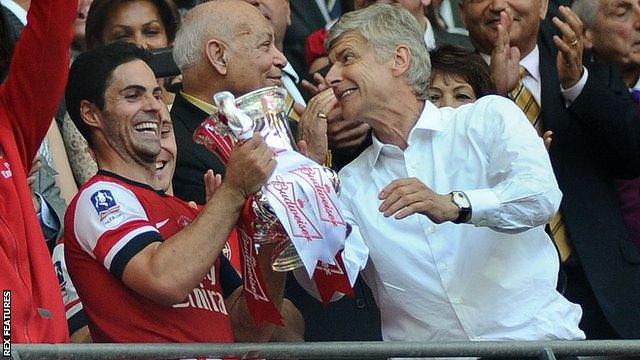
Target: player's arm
column 168, row 271
column 35, row 83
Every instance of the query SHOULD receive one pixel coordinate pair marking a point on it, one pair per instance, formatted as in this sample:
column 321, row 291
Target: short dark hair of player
column 101, row 10
column 465, row 65
column 91, row 73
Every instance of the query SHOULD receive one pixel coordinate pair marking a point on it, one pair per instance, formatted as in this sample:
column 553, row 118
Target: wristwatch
column 461, row 200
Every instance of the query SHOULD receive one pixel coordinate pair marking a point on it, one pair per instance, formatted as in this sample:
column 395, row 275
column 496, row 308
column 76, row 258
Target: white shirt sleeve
column 110, row 223
column 571, row 94
column 523, row 192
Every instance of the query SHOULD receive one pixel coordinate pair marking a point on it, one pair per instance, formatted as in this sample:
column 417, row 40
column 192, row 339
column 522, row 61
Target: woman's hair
column 101, row 10
column 6, row 44
column 464, row 64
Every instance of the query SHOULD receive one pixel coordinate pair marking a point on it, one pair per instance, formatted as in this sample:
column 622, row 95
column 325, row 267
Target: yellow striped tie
column 527, row 103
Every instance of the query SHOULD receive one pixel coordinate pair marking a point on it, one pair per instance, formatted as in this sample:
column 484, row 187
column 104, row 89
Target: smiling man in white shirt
column 451, row 202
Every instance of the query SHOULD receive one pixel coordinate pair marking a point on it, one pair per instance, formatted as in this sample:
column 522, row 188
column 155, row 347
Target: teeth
column 160, row 165
column 346, row 93
column 147, row 126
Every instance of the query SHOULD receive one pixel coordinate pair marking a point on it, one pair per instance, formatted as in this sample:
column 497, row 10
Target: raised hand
column 320, row 85
column 250, row 165
column 505, row 59
column 404, row 197
column 570, row 47
column 313, row 124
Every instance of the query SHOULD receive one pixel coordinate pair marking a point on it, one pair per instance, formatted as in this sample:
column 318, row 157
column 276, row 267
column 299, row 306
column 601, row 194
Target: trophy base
column 287, row 260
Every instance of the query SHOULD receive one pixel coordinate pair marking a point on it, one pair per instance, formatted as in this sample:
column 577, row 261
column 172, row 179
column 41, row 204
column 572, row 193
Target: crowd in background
column 571, row 67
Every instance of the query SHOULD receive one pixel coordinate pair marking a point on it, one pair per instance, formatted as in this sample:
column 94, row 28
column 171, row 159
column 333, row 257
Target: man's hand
column 250, row 165
column 31, row 180
column 570, row 47
column 547, row 137
column 212, row 183
column 313, row 125
column 345, row 135
column 404, row 197
column 505, row 59
column 320, row 86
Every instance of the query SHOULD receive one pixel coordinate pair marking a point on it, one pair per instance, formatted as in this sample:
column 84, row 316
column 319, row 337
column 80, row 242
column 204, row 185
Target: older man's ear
column 215, row 52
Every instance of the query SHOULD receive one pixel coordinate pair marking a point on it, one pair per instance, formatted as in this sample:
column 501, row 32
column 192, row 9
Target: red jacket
column 28, row 101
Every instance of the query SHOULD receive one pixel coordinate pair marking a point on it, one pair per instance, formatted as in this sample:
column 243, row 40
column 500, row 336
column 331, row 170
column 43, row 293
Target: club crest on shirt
column 106, row 207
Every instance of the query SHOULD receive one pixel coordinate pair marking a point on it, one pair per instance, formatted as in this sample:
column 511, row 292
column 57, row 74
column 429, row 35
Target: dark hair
column 101, row 10
column 459, row 62
column 90, row 75
column 7, row 43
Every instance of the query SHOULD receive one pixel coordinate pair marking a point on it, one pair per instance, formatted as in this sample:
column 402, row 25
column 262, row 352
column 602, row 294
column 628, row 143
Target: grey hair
column 385, row 27
column 188, row 46
column 587, row 10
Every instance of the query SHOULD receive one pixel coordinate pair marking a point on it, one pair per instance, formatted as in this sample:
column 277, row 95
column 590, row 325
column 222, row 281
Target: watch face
column 461, row 199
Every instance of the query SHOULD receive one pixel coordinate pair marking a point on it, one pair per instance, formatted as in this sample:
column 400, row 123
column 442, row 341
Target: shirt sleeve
column 229, row 278
column 522, row 191
column 111, row 225
column 571, row 94
column 74, row 310
column 38, row 73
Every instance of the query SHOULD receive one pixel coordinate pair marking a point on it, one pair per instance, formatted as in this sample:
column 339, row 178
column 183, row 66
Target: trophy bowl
column 263, row 111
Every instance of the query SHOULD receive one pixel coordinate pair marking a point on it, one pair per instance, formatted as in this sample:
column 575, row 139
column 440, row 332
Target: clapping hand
column 570, row 47
column 505, row 59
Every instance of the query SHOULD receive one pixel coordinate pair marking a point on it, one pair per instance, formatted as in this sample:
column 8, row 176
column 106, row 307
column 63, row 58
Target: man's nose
column 279, row 60
column 334, row 76
column 498, row 5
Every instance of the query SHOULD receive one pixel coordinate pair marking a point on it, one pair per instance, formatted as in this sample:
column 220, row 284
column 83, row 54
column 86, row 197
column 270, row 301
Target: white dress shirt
column 429, row 37
column 491, row 279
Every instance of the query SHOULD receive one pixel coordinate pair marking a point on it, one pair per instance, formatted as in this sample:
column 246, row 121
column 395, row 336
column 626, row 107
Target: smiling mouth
column 147, row 127
column 346, row 93
column 160, row 165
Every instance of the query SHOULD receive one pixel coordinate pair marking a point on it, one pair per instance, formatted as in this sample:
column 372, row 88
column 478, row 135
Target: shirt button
column 458, row 300
column 433, row 229
column 360, row 304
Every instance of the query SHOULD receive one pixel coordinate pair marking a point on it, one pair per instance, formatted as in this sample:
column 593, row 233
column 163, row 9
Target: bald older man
column 235, row 53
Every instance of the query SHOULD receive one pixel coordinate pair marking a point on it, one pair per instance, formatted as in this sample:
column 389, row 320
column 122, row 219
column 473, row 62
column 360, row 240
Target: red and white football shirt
column 109, row 221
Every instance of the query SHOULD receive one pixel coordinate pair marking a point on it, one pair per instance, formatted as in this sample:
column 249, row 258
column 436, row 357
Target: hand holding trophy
column 297, row 208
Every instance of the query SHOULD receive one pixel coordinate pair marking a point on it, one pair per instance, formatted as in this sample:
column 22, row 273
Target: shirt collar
column 531, row 62
column 430, row 120
column 636, row 86
column 430, row 37
column 288, row 69
column 202, row 105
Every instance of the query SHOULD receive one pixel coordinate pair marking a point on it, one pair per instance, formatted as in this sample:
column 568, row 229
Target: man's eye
column 463, row 96
column 433, row 97
column 621, row 10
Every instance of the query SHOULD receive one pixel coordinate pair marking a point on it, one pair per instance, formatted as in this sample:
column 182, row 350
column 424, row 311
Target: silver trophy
column 263, row 111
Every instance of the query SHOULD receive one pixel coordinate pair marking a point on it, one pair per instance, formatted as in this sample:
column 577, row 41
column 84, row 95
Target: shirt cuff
column 484, row 203
column 571, row 94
